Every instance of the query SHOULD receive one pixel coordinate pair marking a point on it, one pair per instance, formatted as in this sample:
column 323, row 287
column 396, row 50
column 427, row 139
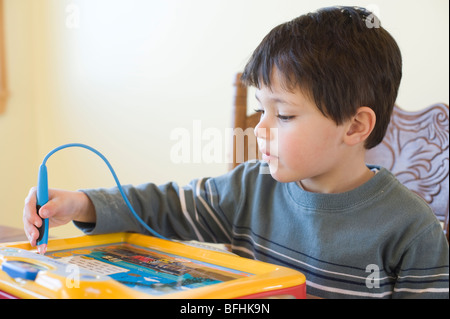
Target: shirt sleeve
column 424, row 270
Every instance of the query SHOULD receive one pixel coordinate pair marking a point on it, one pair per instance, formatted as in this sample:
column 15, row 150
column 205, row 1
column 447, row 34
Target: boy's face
column 297, row 140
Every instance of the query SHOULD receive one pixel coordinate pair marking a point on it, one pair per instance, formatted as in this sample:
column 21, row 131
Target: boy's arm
column 175, row 212
column 424, row 269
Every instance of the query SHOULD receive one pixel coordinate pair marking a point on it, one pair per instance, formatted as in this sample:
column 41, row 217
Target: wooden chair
column 415, row 149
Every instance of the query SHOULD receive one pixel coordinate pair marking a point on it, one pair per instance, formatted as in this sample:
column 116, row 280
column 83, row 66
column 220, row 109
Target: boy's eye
column 285, row 117
column 260, row 111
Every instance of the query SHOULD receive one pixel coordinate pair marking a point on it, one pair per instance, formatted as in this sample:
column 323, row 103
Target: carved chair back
column 415, row 150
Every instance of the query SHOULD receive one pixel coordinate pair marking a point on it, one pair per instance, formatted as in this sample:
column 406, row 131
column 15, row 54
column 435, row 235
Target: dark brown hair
column 340, row 57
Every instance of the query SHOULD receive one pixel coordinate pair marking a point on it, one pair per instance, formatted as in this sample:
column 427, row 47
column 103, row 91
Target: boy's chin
column 276, row 172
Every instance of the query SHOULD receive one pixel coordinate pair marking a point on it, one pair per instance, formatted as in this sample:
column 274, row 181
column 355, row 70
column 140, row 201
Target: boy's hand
column 61, row 208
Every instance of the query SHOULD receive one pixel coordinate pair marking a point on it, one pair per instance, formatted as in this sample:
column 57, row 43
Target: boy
column 326, row 85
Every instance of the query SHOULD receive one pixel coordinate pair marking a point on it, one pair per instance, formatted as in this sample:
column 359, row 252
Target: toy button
column 21, row 269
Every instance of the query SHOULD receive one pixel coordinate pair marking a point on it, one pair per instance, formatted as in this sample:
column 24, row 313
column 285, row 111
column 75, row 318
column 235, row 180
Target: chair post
column 239, row 114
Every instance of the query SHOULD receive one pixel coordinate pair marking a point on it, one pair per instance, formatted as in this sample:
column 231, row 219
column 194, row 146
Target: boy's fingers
column 31, row 219
column 32, row 234
column 47, row 210
column 31, row 197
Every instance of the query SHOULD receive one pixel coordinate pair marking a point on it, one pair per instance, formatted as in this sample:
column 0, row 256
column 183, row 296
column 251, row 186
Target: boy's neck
column 340, row 180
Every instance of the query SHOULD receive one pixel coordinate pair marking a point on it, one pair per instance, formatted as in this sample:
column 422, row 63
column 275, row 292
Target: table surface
column 11, row 234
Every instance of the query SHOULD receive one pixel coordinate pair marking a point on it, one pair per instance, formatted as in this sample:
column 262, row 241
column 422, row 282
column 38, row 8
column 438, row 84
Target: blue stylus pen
column 42, row 195
column 42, row 199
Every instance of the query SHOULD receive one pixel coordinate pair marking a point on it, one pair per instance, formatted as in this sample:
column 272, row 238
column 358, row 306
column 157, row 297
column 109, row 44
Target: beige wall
column 121, row 75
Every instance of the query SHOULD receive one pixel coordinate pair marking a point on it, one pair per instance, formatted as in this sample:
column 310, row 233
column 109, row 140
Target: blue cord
column 113, row 174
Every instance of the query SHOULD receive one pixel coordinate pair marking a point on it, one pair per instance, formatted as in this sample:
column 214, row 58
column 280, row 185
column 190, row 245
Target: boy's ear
column 360, row 126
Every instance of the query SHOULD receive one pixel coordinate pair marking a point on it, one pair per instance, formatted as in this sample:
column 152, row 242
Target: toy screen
column 149, row 271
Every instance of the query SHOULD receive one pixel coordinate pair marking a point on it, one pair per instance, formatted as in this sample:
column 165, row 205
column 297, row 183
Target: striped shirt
column 377, row 241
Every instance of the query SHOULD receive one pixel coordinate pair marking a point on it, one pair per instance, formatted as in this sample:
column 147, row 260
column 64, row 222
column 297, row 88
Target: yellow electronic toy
column 125, row 265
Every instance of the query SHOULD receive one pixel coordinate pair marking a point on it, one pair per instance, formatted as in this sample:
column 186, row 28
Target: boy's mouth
column 267, row 151
column 266, row 155
column 266, row 158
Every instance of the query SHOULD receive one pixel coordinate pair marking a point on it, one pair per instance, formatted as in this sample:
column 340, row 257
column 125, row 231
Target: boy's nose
column 262, row 130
